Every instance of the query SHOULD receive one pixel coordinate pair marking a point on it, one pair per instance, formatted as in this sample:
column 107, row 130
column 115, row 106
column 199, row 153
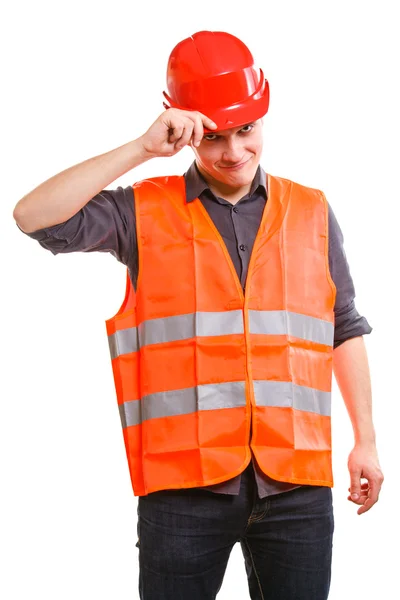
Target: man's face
column 231, row 156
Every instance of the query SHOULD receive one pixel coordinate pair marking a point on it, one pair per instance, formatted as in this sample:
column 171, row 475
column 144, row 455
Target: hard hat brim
column 236, row 115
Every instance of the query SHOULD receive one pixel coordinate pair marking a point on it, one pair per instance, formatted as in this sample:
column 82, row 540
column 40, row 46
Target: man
column 238, row 305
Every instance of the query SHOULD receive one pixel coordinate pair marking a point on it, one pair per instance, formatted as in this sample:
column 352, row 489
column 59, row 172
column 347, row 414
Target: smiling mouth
column 235, row 167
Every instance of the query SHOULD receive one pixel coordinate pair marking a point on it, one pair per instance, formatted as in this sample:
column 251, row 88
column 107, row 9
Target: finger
column 362, row 493
column 366, row 506
column 363, row 486
column 374, row 489
column 186, row 134
column 372, row 497
column 198, row 131
column 175, row 132
column 207, row 122
column 355, row 484
column 360, row 500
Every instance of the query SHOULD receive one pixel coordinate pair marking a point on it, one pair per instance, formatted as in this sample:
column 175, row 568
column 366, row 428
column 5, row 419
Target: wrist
column 141, row 150
column 365, row 440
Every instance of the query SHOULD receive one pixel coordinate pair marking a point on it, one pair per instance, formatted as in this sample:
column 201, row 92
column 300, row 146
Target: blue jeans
column 185, row 538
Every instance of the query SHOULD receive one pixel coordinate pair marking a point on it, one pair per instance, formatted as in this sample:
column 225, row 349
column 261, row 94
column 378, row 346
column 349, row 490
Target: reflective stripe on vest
column 182, row 402
column 224, row 395
column 282, row 322
column 286, row 393
column 171, row 329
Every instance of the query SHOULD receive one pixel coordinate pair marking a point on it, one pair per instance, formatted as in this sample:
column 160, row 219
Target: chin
column 238, row 180
column 237, row 177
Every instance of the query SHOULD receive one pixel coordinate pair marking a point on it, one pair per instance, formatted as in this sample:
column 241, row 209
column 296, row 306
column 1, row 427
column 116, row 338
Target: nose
column 233, row 151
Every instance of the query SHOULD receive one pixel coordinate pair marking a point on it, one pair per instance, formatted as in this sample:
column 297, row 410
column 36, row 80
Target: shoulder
column 161, row 181
column 295, row 184
column 307, row 195
column 156, row 189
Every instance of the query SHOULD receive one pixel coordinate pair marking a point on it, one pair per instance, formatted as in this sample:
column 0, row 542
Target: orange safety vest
column 196, row 361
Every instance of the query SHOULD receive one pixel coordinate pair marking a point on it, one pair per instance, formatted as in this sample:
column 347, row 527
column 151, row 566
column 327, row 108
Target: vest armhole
column 328, row 271
column 137, row 194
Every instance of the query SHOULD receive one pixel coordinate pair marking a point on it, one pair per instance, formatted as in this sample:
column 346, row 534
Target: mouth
column 235, row 167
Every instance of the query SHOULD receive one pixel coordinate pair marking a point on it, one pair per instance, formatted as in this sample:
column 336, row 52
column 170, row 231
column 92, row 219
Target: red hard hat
column 213, row 72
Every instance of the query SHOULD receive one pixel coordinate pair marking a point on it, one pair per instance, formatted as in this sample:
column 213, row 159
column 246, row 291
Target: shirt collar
column 196, row 184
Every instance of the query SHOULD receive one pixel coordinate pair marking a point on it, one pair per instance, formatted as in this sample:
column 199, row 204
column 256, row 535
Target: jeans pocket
column 138, row 528
column 138, row 541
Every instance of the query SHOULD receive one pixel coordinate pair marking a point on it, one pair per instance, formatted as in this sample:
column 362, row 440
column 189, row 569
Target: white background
column 80, row 78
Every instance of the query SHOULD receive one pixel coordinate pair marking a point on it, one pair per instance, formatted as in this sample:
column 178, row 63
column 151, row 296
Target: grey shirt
column 107, row 223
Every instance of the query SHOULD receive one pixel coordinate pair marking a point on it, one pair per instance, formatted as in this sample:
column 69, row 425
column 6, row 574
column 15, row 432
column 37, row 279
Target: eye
column 210, row 137
column 247, row 128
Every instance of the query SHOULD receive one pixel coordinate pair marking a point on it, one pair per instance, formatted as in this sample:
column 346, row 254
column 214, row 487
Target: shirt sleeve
column 348, row 322
column 106, row 223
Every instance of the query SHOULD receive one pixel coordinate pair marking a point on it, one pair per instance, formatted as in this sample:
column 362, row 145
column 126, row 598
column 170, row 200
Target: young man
column 239, row 304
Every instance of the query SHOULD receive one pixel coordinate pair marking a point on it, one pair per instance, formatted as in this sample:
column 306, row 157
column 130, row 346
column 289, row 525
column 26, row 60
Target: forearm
column 351, row 369
column 63, row 195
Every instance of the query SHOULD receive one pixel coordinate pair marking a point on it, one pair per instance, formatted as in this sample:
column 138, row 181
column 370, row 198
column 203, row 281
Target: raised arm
column 63, row 195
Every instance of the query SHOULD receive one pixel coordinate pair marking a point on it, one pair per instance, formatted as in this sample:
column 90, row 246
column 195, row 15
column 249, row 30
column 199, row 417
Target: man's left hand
column 363, row 463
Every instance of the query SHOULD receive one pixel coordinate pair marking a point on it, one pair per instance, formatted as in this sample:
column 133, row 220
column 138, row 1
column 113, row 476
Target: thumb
column 355, row 484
